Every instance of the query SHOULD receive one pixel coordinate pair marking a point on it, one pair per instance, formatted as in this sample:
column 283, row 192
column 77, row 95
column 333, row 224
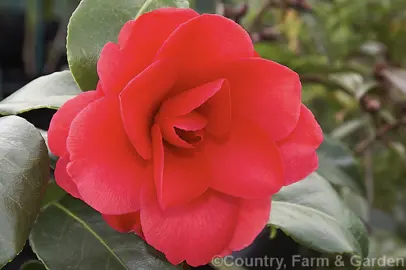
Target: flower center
column 185, row 131
column 191, row 137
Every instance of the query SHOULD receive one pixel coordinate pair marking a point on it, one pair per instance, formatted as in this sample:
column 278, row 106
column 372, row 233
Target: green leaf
column 33, row 265
column 336, row 151
column 54, row 193
column 337, row 177
column 311, row 212
column 347, row 128
column 50, row 91
column 96, row 22
column 24, row 174
column 86, row 241
column 337, row 154
column 350, row 81
column 204, row 6
column 357, row 203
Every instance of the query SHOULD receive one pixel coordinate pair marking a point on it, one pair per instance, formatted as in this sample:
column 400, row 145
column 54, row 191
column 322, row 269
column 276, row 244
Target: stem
column 369, row 178
column 143, row 8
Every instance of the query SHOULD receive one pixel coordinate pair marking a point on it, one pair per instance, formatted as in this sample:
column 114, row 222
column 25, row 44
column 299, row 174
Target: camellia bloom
column 187, row 136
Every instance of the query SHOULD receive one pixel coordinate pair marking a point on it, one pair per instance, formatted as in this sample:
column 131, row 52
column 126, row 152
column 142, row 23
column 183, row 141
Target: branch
column 380, row 133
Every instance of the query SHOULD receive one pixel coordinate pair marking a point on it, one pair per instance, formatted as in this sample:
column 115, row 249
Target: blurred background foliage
column 349, row 54
column 351, row 58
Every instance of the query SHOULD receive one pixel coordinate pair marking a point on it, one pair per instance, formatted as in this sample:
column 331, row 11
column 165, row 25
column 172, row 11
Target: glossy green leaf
column 333, row 152
column 50, row 91
column 336, row 151
column 357, row 203
column 312, row 213
column 24, row 174
column 337, row 177
column 85, row 241
column 33, row 265
column 96, row 22
column 54, row 193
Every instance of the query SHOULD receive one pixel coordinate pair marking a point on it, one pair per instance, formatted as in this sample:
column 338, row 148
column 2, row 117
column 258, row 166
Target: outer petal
column 247, row 165
column 179, row 177
column 105, row 167
column 141, row 98
column 298, row 150
column 139, row 40
column 113, row 69
column 264, row 92
column 204, row 42
column 63, row 179
column 252, row 219
column 206, row 223
column 163, row 21
column 62, row 119
column 125, row 223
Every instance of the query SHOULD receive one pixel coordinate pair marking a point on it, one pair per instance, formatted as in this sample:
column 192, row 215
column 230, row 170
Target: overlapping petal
column 211, row 99
column 63, row 179
column 62, row 119
column 298, row 150
column 207, row 223
column 170, row 128
column 252, row 219
column 141, row 51
column 141, row 98
column 137, row 46
column 247, row 165
column 179, row 176
column 203, row 43
column 266, row 93
column 130, row 222
column 105, row 167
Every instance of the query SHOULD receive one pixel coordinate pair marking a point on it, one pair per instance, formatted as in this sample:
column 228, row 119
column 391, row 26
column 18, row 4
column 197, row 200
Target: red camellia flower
column 187, row 136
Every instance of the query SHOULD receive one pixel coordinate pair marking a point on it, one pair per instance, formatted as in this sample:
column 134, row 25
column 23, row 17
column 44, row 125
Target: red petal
column 62, row 119
column 125, row 223
column 63, row 179
column 218, row 110
column 118, row 64
column 298, row 150
column 215, row 98
column 139, row 101
column 189, row 122
column 105, row 167
column 114, row 71
column 179, row 177
column 163, row 21
column 247, row 165
column 204, row 42
column 252, row 219
column 206, row 223
column 266, row 93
